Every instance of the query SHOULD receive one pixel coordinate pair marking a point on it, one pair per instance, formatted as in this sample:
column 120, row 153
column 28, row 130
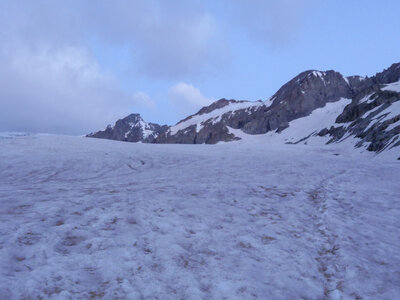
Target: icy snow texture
column 86, row 218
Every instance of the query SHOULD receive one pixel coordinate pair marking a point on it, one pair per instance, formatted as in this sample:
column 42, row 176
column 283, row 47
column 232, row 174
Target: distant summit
column 131, row 129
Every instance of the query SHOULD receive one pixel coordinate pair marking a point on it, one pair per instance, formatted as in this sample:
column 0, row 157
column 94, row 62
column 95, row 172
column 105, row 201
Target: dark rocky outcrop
column 131, row 129
column 298, row 98
column 369, row 121
column 366, row 116
column 213, row 128
column 392, row 74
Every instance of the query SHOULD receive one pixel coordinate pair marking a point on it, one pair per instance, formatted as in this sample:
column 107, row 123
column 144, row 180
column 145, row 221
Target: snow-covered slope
column 89, row 218
column 300, row 130
column 229, row 120
column 131, row 129
column 215, row 116
column 209, row 125
column 295, row 99
column 376, row 128
column 395, row 87
column 313, row 107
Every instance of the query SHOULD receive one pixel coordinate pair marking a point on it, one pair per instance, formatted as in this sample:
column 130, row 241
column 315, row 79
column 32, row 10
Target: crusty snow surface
column 88, row 218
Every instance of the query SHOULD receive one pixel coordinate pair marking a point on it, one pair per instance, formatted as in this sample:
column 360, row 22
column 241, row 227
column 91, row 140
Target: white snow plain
column 88, row 218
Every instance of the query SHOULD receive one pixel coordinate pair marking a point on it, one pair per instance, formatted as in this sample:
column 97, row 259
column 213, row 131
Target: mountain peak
column 132, row 128
column 313, row 86
column 133, row 117
column 315, row 74
column 320, row 101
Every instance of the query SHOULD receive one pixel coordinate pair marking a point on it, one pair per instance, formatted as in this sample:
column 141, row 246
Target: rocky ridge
column 371, row 117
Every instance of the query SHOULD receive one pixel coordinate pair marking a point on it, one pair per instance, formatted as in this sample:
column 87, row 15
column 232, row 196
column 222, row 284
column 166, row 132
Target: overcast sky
column 75, row 66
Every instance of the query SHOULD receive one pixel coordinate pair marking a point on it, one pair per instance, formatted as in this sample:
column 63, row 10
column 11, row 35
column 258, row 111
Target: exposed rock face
column 131, row 129
column 389, row 75
column 209, row 125
column 372, row 116
column 297, row 98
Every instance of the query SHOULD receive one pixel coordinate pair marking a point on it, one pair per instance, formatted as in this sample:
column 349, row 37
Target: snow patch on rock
column 214, row 116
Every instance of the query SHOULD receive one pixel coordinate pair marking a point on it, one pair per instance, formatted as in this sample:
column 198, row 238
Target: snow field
column 84, row 218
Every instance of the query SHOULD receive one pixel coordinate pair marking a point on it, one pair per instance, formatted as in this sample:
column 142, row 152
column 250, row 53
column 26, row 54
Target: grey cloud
column 168, row 39
column 58, row 91
column 50, row 80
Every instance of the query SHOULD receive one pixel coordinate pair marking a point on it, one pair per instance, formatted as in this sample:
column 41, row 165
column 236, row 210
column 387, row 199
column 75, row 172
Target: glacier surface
column 84, row 218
